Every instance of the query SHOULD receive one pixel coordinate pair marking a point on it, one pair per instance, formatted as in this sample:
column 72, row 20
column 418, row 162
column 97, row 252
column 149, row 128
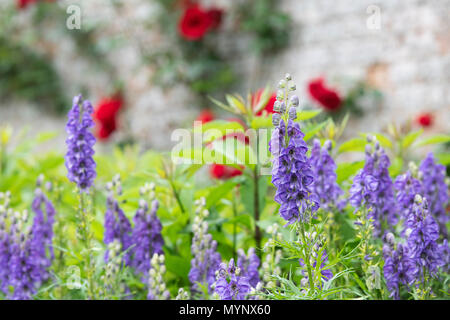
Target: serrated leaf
column 312, row 131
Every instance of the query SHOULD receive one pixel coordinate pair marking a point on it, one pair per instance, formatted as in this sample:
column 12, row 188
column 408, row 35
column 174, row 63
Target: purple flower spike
column 324, row 169
column 231, row 284
column 373, row 188
column 435, row 190
column 80, row 142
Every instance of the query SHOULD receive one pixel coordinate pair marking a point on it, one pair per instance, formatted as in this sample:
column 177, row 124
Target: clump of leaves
column 26, row 74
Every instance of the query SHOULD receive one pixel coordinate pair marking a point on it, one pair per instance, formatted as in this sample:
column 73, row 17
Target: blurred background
column 151, row 66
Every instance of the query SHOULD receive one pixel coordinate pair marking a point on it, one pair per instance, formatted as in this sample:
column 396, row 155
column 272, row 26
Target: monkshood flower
column 182, row 295
column 80, row 142
column 205, row 259
column 399, row 268
column 5, row 241
column 291, row 171
column 324, row 169
column 146, row 238
column 372, row 188
column 231, row 284
column 423, row 232
column 435, row 190
column 157, row 289
column 407, row 187
column 117, row 225
column 249, row 263
column 30, row 248
column 41, row 248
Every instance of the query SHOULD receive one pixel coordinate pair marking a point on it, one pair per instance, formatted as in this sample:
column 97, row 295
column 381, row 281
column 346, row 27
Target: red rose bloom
column 326, row 97
column 106, row 116
column 205, row 116
column 215, row 15
column 194, row 23
column 269, row 106
column 221, row 171
column 22, row 4
column 425, row 120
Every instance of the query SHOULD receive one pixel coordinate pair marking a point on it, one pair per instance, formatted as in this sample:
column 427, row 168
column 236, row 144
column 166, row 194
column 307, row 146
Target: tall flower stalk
column 81, row 169
column 292, row 175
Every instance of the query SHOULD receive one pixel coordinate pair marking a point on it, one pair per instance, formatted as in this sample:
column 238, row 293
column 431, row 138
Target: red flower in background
column 221, row 171
column 106, row 115
column 205, row 116
column 196, row 21
column 22, row 4
column 269, row 106
column 325, row 96
column 215, row 16
column 425, row 120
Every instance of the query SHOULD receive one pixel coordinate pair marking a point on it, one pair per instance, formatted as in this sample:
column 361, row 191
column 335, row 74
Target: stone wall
column 406, row 55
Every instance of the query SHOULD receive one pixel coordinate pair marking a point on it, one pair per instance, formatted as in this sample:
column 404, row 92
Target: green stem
column 256, row 210
column 177, row 196
column 235, row 213
column 307, row 255
column 86, row 238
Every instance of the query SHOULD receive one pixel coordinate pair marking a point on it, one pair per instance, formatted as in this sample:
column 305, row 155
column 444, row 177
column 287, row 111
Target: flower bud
column 292, row 113
column 276, row 119
column 295, row 101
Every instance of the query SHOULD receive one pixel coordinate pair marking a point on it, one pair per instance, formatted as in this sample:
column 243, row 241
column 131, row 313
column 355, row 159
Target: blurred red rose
column 215, row 16
column 194, row 23
column 106, row 115
column 22, row 4
column 269, row 106
column 326, row 97
column 205, row 116
column 221, row 171
column 425, row 120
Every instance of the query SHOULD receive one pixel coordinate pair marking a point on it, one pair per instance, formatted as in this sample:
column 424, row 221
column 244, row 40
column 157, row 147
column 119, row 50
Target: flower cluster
column 324, row 169
column 249, row 265
column 399, row 268
column 372, row 188
column 80, row 142
column 407, row 187
column 291, row 171
column 420, row 257
column 25, row 253
column 156, row 286
column 423, row 233
column 434, row 189
column 197, row 21
column 146, row 236
column 205, row 260
column 231, row 284
column 326, row 97
column 117, row 225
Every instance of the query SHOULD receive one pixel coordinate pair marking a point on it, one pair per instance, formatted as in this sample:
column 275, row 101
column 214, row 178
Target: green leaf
column 436, row 139
column 444, row 158
column 353, row 145
column 396, row 167
column 345, row 170
column 410, row 138
column 307, row 115
column 312, row 131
